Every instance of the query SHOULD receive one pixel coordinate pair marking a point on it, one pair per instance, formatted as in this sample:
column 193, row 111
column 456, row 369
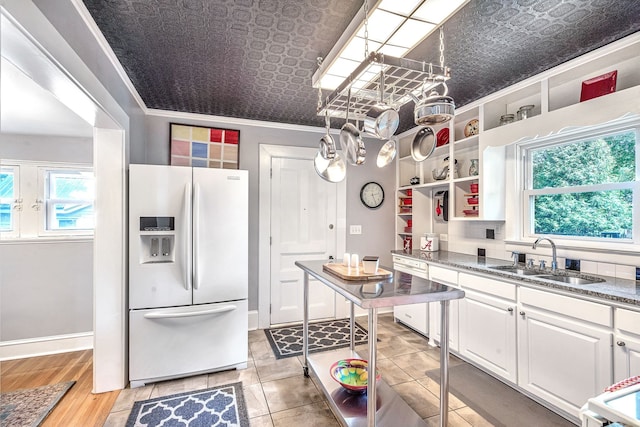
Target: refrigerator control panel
column 157, row 223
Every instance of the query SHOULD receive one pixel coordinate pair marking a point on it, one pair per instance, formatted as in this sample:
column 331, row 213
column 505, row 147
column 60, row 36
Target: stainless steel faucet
column 554, row 261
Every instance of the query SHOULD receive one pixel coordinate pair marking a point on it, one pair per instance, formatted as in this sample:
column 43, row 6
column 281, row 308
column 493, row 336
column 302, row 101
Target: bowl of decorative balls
column 352, row 374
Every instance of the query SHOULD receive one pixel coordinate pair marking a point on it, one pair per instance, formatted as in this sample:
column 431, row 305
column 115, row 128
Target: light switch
column 355, row 229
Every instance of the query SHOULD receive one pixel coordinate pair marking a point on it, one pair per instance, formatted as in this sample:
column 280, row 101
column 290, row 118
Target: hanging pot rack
column 401, row 77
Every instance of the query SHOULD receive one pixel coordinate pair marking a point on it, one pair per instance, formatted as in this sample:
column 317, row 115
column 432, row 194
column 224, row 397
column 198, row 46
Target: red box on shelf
column 598, row 86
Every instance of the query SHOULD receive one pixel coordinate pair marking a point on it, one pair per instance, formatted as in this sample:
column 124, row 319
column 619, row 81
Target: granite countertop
column 615, row 290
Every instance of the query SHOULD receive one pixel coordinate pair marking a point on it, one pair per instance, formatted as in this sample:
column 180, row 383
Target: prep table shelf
column 403, row 288
column 352, row 408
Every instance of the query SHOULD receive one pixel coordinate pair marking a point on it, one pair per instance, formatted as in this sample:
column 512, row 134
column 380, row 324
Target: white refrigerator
column 188, row 278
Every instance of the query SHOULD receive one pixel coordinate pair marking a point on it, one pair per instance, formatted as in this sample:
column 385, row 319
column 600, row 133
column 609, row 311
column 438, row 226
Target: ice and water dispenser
column 157, row 239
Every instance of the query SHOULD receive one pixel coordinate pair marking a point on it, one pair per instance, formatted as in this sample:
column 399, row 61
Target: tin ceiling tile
column 254, row 59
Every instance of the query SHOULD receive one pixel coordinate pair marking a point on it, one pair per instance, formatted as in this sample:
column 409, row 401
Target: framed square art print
column 205, row 147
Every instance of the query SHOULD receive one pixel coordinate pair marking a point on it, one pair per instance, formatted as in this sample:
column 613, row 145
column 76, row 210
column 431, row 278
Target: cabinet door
column 488, row 333
column 435, row 322
column 448, row 277
column 413, row 315
column 564, row 362
column 626, row 358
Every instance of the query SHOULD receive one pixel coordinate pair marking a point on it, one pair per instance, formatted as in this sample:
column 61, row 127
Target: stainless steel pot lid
column 332, row 170
column 387, row 153
column 352, row 144
column 423, row 144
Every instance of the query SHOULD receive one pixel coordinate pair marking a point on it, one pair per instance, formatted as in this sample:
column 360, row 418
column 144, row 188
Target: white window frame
column 45, row 201
column 30, row 193
column 16, row 202
column 624, row 124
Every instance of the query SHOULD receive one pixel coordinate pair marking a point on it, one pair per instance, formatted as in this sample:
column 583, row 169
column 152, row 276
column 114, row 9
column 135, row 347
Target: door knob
column 522, row 313
column 330, row 226
column 510, row 309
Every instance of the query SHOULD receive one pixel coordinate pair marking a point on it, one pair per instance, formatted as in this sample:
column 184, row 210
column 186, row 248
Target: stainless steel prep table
column 401, row 289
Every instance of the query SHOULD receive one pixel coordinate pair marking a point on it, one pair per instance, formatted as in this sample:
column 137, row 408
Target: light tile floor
column 277, row 393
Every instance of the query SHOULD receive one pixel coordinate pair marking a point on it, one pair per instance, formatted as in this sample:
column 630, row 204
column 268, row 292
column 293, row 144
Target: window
column 69, row 199
column 583, row 187
column 8, row 185
column 39, row 200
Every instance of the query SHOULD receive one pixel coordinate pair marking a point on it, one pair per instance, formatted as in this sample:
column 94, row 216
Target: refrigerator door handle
column 187, row 230
column 196, row 235
column 218, row 310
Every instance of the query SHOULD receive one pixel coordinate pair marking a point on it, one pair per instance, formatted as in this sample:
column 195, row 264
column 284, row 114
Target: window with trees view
column 40, row 200
column 584, row 188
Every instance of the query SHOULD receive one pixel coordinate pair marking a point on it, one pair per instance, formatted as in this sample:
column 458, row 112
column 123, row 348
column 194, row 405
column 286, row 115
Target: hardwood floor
column 79, row 407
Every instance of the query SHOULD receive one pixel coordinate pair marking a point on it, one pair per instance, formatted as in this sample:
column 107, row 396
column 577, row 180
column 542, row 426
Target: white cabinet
column 448, row 277
column 564, row 348
column 487, row 327
column 413, row 315
column 626, row 348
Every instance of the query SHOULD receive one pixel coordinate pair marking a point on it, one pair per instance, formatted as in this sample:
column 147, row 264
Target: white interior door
column 303, row 227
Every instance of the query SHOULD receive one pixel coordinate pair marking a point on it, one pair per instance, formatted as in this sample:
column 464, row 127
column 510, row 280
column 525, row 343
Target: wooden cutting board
column 347, row 273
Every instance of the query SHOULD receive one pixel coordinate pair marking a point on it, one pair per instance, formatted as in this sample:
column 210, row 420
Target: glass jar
column 506, row 119
column 524, row 112
column 473, row 167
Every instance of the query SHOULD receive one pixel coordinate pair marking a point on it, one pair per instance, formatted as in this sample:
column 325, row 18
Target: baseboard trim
column 19, row 349
column 253, row 320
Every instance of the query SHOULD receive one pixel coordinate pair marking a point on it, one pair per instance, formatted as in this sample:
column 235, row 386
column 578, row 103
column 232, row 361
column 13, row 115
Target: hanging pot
column 424, row 143
column 332, row 170
column 327, row 147
column 434, row 108
column 387, row 153
column 381, row 121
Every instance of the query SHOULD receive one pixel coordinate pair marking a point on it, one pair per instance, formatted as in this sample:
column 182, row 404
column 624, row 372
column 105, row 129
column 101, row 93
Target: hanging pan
column 328, row 163
column 351, row 141
column 387, row 153
column 423, row 144
column 381, row 120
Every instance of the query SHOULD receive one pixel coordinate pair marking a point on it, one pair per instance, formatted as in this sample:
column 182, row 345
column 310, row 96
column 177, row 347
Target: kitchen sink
column 516, row 270
column 572, row 280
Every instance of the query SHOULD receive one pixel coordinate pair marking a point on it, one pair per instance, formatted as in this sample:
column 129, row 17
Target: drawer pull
column 190, row 313
column 621, row 343
column 510, row 309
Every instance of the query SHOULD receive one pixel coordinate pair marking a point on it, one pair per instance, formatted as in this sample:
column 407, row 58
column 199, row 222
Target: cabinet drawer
column 567, row 306
column 445, row 275
column 488, row 286
column 627, row 321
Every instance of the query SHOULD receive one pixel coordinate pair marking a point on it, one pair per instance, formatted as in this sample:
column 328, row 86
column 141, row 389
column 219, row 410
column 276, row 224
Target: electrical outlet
column 355, row 229
column 490, row 233
column 444, row 237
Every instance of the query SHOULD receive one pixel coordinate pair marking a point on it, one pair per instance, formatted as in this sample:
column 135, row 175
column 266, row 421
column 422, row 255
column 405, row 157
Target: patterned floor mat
column 286, row 341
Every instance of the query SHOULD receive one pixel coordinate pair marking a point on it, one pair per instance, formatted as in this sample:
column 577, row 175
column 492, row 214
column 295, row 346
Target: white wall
column 377, row 225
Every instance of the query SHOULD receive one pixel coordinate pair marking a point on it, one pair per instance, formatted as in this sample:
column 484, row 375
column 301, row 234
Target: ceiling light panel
column 437, row 11
column 411, row 33
column 381, row 25
column 404, row 7
column 355, row 49
column 343, row 67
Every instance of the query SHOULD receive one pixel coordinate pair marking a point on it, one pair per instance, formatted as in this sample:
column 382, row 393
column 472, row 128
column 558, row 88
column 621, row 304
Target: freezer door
column 220, row 235
column 173, row 342
column 155, row 279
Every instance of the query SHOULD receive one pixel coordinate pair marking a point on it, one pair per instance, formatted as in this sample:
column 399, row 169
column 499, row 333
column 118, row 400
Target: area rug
column 220, row 406
column 29, row 407
column 286, row 341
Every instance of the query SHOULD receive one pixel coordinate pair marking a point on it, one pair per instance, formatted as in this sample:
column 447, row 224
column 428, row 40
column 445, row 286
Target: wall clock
column 372, row 195
column 471, row 128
